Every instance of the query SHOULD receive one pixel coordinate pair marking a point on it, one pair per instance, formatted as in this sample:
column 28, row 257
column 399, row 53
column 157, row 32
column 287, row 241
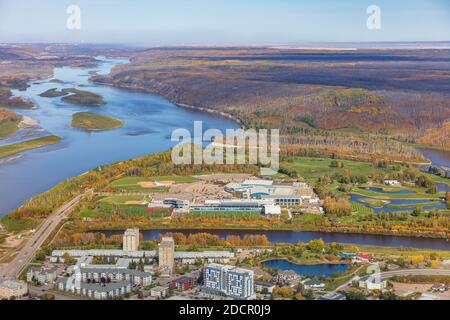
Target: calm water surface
column 316, row 270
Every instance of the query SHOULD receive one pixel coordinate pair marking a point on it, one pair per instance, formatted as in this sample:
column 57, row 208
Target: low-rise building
column 392, row 183
column 99, row 291
column 42, row 275
column 332, row 296
column 287, row 277
column 159, row 292
column 183, row 283
column 134, row 277
column 263, row 287
column 12, row 289
column 315, row 285
column 372, row 282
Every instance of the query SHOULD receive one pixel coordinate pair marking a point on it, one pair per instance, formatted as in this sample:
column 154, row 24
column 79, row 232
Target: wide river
column 149, row 122
column 278, row 236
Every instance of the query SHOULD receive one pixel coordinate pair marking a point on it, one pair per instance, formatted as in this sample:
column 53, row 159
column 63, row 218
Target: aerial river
column 149, row 122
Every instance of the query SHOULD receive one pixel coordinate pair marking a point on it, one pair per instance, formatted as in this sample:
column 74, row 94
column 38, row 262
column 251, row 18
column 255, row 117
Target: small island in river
column 80, row 97
column 93, row 122
column 52, row 93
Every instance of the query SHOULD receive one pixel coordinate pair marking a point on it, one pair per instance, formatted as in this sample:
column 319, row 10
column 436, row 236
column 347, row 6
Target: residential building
column 99, row 291
column 134, row 277
column 159, row 292
column 287, row 277
column 12, row 289
column 183, row 283
column 229, row 281
column 131, row 240
column 42, row 275
column 166, row 255
column 263, row 287
column 372, row 282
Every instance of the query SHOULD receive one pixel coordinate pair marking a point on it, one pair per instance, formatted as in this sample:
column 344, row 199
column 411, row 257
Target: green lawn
column 361, row 209
column 420, row 205
column 94, row 122
column 130, row 184
column 312, row 168
column 387, row 196
column 375, row 203
column 8, row 128
column 27, row 145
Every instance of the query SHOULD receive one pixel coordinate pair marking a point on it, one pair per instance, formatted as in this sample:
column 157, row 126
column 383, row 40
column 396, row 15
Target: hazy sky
column 223, row 21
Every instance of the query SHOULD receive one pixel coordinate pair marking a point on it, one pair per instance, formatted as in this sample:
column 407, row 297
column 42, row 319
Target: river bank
column 285, row 236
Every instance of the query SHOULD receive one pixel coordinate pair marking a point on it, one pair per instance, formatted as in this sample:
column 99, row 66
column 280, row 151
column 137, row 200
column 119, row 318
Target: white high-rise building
column 131, row 240
column 229, row 281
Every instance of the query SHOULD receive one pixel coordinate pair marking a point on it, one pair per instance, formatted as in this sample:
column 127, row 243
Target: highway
column 13, row 269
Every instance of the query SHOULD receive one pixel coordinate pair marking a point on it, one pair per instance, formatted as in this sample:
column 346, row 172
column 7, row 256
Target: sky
column 223, row 22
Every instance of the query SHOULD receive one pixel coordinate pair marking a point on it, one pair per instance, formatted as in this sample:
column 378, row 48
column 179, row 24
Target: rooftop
column 13, row 284
column 115, row 270
column 107, row 287
column 159, row 289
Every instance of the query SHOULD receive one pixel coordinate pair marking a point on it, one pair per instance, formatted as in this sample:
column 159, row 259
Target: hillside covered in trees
column 349, row 103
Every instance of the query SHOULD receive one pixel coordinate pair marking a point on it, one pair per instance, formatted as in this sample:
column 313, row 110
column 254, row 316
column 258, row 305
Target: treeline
column 204, row 239
column 66, row 238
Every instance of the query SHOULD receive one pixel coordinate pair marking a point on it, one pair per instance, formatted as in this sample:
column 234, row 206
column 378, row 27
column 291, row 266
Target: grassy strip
column 361, row 209
column 28, row 145
column 92, row 121
column 8, row 128
column 387, row 196
column 415, row 205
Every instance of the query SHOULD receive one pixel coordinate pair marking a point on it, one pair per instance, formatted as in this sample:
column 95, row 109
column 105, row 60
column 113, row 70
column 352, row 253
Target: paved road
column 26, row 254
column 39, row 291
column 402, row 272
